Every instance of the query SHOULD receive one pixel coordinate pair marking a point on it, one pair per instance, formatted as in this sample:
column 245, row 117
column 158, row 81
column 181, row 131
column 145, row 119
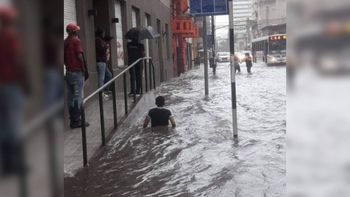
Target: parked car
column 223, row 57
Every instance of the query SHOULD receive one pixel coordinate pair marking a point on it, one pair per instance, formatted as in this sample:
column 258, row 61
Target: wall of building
column 242, row 10
column 87, row 36
column 167, row 3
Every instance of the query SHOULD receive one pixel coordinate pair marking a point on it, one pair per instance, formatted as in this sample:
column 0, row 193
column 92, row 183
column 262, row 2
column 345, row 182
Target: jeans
column 53, row 86
column 108, row 77
column 101, row 71
column 136, row 88
column 11, row 111
column 75, row 85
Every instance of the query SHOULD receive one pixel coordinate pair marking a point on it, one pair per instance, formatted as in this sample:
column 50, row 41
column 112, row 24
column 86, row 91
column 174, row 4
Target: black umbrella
column 141, row 33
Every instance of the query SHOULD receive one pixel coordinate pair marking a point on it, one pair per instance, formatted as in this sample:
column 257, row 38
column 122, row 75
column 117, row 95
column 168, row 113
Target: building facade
column 242, row 14
column 270, row 17
column 184, row 30
column 117, row 17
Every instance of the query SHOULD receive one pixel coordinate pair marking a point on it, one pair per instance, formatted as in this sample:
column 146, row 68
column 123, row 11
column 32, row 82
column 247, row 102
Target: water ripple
column 199, row 158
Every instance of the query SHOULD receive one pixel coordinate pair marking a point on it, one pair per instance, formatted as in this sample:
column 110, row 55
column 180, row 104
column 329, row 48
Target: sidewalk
column 73, row 156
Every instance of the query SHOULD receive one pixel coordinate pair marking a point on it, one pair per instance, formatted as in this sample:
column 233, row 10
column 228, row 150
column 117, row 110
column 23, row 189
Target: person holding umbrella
column 136, row 50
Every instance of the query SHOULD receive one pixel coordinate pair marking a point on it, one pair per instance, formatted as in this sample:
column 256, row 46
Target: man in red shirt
column 12, row 89
column 75, row 69
column 10, row 48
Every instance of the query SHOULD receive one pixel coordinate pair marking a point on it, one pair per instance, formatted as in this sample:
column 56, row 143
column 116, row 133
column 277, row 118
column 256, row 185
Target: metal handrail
column 113, row 79
column 42, row 122
column 99, row 92
column 42, row 119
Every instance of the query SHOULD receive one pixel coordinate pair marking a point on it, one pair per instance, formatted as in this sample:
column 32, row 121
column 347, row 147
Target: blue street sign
column 208, row 7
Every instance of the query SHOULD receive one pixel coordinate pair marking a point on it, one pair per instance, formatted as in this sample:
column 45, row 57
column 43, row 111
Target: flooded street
column 200, row 157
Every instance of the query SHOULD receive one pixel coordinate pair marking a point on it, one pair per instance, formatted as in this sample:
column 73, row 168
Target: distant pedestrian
column 159, row 116
column 213, row 64
column 136, row 51
column 248, row 62
column 236, row 64
column 76, row 74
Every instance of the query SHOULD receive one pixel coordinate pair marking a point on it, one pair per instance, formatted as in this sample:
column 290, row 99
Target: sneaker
column 108, row 92
column 105, row 95
column 131, row 95
column 78, row 125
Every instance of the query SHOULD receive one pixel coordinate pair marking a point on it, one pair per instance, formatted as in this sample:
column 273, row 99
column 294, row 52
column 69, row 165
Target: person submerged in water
column 159, row 116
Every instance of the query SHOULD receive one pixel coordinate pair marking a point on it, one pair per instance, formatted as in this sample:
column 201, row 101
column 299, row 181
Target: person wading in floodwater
column 248, row 62
column 159, row 116
column 212, row 64
column 236, row 63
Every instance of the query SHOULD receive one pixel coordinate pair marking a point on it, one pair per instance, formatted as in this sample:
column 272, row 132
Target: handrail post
column 154, row 75
column 125, row 94
column 114, row 97
column 102, row 121
column 83, row 135
column 133, row 83
column 150, row 74
column 141, row 73
column 99, row 91
column 23, row 177
column 146, row 77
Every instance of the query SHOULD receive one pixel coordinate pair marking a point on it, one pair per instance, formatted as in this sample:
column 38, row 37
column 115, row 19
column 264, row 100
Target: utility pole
column 205, row 50
column 233, row 71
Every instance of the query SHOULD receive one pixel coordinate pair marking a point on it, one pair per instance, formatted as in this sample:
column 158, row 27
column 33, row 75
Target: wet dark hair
column 160, row 101
column 99, row 32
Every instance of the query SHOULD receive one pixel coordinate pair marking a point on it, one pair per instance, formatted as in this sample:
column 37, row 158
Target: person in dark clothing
column 212, row 64
column 159, row 116
column 236, row 64
column 248, row 62
column 136, row 50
